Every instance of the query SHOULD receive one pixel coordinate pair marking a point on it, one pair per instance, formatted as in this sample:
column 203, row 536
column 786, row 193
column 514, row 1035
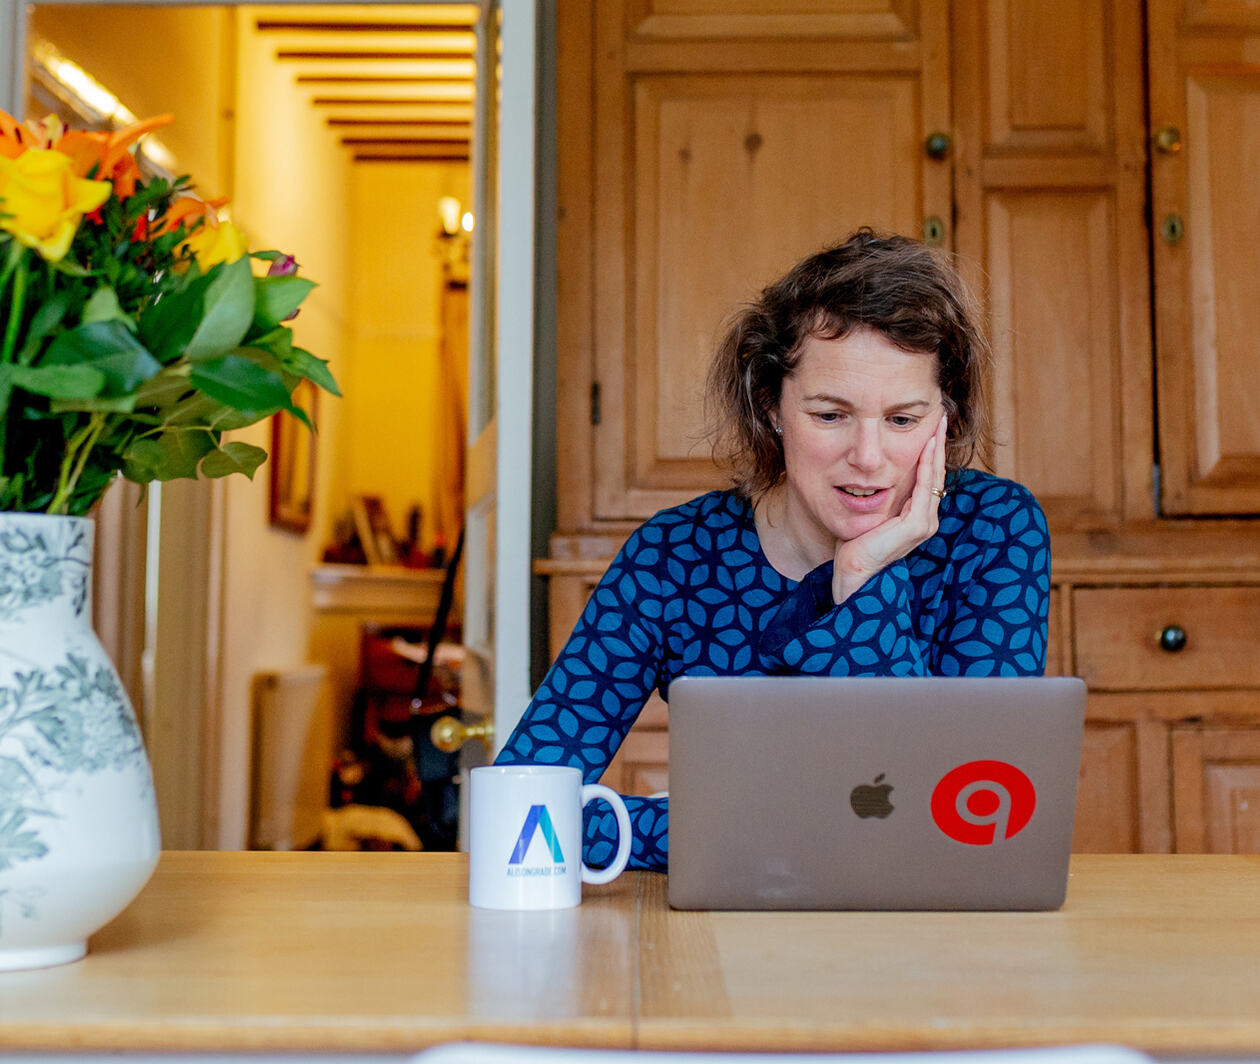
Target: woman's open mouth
column 861, row 499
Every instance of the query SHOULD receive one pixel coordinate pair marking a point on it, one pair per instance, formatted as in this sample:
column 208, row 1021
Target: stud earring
column 778, row 429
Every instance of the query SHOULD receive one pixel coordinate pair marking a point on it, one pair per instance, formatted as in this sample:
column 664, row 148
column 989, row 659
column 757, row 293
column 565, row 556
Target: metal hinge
column 595, row 411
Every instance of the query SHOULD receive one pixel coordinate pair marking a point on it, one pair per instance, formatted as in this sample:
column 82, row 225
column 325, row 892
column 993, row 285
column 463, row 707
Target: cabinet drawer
column 1118, row 637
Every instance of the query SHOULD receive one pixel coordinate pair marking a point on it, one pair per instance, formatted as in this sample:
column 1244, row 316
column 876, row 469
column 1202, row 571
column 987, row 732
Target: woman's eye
column 903, row 421
column 828, row 417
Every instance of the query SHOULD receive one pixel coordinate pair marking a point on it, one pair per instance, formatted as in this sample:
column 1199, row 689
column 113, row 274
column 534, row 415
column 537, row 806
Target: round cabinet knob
column 449, row 734
column 933, row 232
column 1172, row 638
column 937, row 145
column 1168, row 140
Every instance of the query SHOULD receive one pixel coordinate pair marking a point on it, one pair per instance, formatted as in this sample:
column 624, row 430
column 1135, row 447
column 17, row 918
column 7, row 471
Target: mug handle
column 597, row 876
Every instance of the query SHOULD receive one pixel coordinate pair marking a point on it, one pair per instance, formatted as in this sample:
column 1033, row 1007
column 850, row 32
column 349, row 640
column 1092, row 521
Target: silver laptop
column 809, row 793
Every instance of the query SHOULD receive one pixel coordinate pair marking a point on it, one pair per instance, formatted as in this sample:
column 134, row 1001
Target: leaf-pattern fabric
column 691, row 593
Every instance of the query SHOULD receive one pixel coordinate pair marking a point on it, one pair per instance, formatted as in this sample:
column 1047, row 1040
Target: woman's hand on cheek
column 857, row 560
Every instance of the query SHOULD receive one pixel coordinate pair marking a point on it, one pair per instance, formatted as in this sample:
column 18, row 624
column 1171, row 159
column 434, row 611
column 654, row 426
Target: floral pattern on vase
column 78, row 821
column 38, row 566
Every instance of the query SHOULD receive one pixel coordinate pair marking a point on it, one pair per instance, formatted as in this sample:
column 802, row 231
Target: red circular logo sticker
column 983, row 802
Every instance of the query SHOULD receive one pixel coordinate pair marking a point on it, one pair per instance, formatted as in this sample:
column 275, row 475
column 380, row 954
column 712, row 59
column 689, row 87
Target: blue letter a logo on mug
column 537, row 818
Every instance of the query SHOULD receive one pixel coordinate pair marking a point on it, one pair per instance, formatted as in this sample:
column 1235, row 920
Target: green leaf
column 303, row 417
column 167, row 326
column 106, row 346
column 104, row 306
column 228, row 311
column 316, row 370
column 275, row 298
column 166, row 388
column 172, row 456
column 60, row 382
column 243, row 385
column 231, row 458
column 46, row 318
column 200, row 409
column 279, row 342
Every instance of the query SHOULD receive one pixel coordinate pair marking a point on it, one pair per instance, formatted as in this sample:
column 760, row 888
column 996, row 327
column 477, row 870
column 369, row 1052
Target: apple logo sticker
column 871, row 799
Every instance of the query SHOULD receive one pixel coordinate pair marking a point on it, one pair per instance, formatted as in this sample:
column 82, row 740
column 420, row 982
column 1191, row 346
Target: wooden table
column 380, row 953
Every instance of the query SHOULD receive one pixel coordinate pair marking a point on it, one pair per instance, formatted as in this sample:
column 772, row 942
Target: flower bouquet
column 134, row 331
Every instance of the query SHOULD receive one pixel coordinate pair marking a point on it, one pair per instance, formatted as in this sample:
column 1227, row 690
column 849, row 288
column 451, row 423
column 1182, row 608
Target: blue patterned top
column 692, row 593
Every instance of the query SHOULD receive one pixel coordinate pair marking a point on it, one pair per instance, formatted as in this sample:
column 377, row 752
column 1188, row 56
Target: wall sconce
column 454, row 219
column 449, row 212
column 455, row 225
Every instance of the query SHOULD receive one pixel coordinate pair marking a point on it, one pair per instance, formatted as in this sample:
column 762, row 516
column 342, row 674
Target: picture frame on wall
column 293, row 463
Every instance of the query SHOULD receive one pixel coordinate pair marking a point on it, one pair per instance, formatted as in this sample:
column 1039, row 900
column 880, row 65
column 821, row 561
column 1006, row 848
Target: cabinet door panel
column 1124, row 797
column 1047, row 87
column 798, row 161
column 1107, row 817
column 1050, row 195
column 1056, row 347
column 1207, row 88
column 1217, row 789
column 1221, row 14
column 1223, row 125
column 717, row 161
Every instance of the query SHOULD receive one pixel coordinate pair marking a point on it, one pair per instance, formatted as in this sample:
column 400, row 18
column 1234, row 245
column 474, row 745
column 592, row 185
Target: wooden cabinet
column 704, row 145
column 1050, row 190
column 1205, row 119
column 709, row 148
column 1172, row 748
column 1217, row 787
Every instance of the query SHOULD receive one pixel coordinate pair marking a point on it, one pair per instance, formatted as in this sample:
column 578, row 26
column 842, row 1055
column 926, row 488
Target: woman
column 853, row 543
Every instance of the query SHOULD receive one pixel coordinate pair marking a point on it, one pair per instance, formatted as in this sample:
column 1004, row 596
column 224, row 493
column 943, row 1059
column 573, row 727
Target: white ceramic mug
column 525, row 838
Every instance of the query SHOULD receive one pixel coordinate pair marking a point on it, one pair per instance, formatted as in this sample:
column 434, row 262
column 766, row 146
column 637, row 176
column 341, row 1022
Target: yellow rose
column 42, row 202
column 216, row 241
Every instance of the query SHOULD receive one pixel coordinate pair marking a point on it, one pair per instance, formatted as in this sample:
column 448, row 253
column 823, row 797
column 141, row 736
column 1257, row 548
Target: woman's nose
column 866, row 449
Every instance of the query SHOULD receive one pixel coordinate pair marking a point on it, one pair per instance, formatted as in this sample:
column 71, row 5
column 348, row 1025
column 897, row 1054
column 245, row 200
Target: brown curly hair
column 909, row 293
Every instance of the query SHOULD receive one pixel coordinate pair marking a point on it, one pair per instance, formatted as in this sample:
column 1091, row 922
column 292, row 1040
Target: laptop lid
column 810, row 793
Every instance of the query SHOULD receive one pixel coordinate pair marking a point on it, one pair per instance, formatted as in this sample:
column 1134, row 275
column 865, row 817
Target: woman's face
column 855, row 413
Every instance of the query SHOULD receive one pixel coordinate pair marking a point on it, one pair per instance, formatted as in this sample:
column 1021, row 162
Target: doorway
column 336, row 132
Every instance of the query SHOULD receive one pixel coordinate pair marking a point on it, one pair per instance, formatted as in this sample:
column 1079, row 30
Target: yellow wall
column 158, row 60
column 392, row 414
column 290, row 192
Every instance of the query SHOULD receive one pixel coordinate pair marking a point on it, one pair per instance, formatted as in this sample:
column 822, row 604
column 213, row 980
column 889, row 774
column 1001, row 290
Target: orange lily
column 188, row 209
column 14, row 137
column 108, row 152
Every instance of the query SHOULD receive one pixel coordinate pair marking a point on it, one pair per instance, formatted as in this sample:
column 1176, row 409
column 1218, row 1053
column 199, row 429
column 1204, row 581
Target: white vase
column 78, row 817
